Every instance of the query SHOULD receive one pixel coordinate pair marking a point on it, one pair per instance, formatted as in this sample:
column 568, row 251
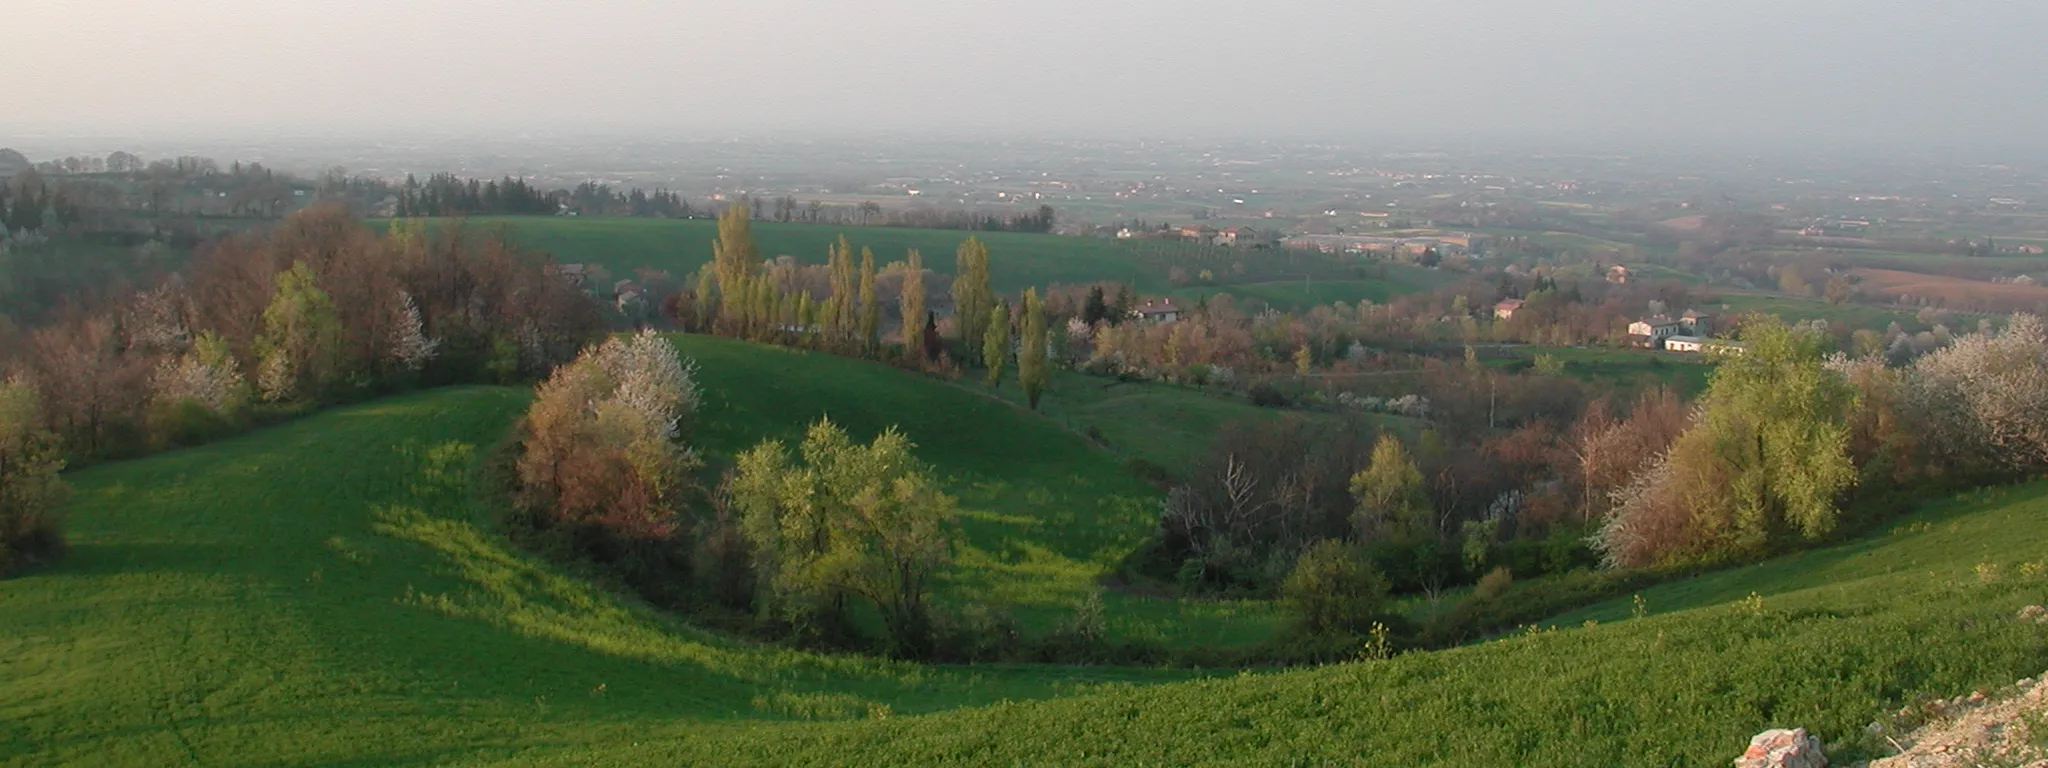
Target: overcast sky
column 1936, row 73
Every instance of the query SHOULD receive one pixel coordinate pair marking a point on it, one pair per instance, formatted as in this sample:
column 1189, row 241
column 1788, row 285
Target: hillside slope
column 1829, row 641
column 328, row 592
column 1044, row 512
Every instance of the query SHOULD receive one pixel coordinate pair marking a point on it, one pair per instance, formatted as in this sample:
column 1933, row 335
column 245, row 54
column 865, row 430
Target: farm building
column 1505, row 310
column 1696, row 323
column 1652, row 331
column 1697, row 344
column 1157, row 311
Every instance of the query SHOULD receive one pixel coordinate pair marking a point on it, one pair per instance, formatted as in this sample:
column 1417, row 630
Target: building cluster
column 1197, row 233
column 1371, row 244
column 1689, row 332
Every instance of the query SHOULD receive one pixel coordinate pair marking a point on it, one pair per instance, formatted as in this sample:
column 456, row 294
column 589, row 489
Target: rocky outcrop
column 1979, row 729
column 1782, row 748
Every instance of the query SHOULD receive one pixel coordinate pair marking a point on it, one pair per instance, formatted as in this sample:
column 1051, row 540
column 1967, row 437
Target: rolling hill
column 332, row 591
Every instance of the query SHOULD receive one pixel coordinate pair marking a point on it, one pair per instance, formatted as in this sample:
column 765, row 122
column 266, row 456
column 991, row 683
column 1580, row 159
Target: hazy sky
column 1951, row 73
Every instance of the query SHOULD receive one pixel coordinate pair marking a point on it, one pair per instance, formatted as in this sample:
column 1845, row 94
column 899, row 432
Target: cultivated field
column 1953, row 292
column 1795, row 309
column 1016, row 260
column 330, row 591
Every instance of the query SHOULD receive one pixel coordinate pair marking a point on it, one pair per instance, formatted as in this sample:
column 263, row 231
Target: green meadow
column 1632, row 369
column 1016, row 260
column 1795, row 309
column 332, row 591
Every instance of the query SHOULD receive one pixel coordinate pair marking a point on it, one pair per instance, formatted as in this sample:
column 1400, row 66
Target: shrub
column 841, row 519
column 1332, row 589
column 1152, row 473
column 185, row 423
column 1494, row 584
column 603, row 442
column 1265, row 395
column 30, row 488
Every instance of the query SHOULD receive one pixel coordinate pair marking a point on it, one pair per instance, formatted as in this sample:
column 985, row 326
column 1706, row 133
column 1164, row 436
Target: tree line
column 845, row 309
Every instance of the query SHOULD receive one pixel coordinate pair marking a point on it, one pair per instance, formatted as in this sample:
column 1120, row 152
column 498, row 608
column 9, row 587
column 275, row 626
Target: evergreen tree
column 1031, row 363
column 1096, row 308
column 1126, row 303
column 995, row 344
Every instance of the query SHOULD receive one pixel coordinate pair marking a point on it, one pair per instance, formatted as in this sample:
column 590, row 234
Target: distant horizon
column 58, row 141
column 1865, row 76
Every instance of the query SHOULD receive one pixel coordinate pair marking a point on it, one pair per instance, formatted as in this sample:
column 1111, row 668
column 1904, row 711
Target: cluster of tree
column 30, row 487
column 1783, row 437
column 840, row 521
column 870, row 214
column 39, row 201
column 839, row 308
column 317, row 311
column 604, row 465
column 1458, row 501
column 320, row 310
column 443, row 194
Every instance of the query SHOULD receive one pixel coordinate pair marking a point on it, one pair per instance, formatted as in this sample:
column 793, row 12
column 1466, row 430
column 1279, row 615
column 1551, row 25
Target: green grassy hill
column 330, row 592
column 1016, row 260
column 1044, row 512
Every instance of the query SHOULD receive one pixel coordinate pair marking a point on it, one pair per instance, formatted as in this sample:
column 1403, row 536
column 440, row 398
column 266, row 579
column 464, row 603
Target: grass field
column 1016, row 260
column 1625, row 368
column 329, row 592
column 1981, row 267
column 1795, row 309
column 1045, row 512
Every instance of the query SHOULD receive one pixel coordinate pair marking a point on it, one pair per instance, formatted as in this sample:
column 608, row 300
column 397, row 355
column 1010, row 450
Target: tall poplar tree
column 1031, row 369
column 971, row 295
column 838, row 321
column 995, row 342
column 734, row 257
column 870, row 310
column 912, row 304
